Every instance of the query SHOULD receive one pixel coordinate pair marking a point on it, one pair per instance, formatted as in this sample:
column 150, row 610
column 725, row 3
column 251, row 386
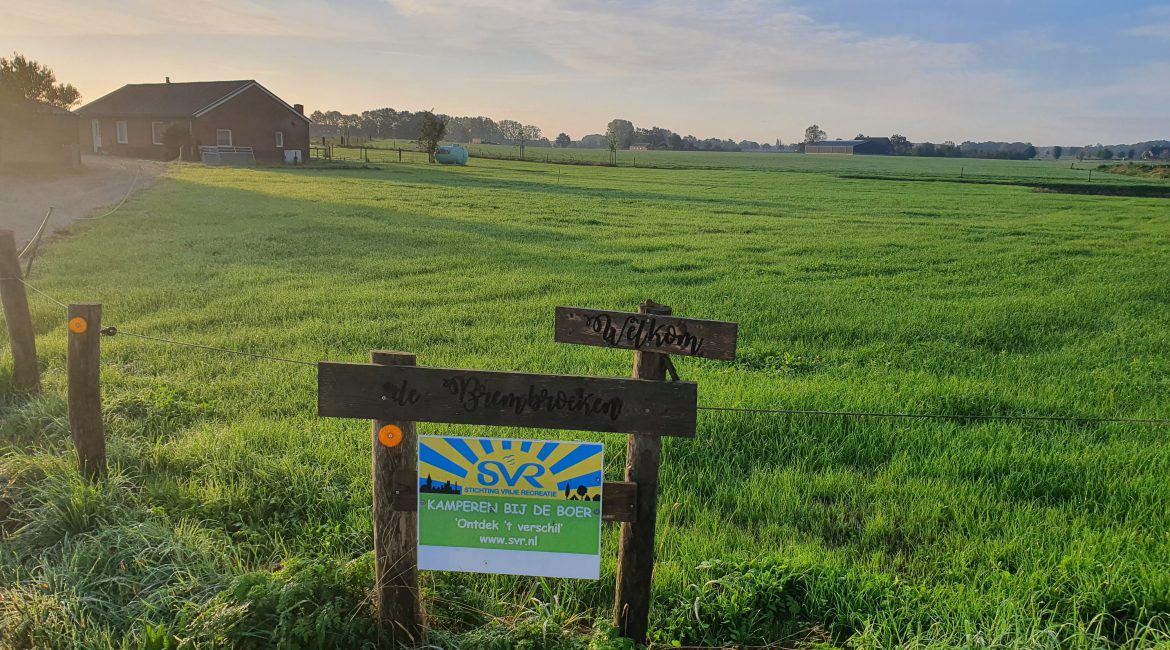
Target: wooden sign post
column 653, row 334
column 395, row 394
column 400, row 621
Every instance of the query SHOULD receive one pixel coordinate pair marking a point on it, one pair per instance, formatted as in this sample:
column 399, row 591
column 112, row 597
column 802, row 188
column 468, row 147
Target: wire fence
column 953, row 417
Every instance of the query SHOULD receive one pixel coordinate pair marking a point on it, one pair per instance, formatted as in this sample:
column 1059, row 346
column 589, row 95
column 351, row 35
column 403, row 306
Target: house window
column 280, row 139
column 223, row 137
column 156, row 132
column 123, row 132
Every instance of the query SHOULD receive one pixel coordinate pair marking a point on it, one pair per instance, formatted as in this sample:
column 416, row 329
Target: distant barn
column 867, row 147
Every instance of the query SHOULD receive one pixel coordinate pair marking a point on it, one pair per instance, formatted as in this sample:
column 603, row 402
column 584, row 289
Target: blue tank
column 451, row 154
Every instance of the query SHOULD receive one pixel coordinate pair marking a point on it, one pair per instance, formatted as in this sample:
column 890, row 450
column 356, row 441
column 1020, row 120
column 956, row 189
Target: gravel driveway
column 101, row 185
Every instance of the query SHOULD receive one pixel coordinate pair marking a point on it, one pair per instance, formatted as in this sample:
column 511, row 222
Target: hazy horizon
column 1067, row 73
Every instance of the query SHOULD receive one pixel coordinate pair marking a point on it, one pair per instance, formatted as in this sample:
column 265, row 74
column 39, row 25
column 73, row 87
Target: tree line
column 388, row 123
column 622, row 134
column 900, row 145
column 391, row 124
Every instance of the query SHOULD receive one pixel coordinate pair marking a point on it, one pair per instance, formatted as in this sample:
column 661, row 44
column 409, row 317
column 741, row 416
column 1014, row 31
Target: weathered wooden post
column 85, row 395
column 395, row 531
column 635, row 569
column 654, row 334
column 21, row 337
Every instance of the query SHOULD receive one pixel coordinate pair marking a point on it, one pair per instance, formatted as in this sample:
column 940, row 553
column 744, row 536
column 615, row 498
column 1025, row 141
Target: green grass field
column 1066, row 170
column 234, row 517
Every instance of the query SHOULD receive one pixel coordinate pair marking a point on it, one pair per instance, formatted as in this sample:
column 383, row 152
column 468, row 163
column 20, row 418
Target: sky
column 1069, row 72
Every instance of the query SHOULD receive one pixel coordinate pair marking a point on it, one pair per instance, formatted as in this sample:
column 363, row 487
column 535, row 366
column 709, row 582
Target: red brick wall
column 139, row 143
column 254, row 118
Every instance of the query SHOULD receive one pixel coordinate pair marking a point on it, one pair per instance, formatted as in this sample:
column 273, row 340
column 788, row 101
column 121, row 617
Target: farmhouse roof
column 838, row 143
column 191, row 99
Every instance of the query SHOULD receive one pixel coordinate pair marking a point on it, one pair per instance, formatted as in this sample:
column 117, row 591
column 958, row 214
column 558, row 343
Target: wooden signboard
column 511, row 399
column 647, row 332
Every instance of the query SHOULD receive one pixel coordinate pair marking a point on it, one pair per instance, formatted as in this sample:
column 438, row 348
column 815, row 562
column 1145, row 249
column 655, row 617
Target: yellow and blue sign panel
column 518, row 507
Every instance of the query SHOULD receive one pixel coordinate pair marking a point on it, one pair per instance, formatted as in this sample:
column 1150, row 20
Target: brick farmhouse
column 132, row 120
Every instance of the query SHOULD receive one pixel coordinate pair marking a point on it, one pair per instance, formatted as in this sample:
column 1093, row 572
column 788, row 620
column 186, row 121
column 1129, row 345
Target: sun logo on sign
column 549, row 467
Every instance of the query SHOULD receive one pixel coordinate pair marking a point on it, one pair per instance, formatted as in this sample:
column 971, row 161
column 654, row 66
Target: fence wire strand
column 113, row 331
column 939, row 416
column 42, row 293
column 35, row 243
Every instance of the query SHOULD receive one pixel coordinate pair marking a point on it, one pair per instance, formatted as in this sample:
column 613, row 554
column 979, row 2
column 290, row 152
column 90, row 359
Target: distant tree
column 1029, row 152
column 380, row 123
column 814, row 134
column 654, row 137
column 1105, row 154
column 860, row 136
column 1057, row 152
column 625, row 132
column 1165, row 155
column 900, row 144
column 563, row 140
column 925, row 149
column 528, row 133
column 431, row 133
column 1131, row 154
column 613, row 140
column 519, row 133
column 512, row 131
column 767, row 146
column 22, row 80
column 675, row 142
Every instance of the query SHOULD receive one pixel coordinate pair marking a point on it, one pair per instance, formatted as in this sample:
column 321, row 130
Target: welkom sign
column 517, row 506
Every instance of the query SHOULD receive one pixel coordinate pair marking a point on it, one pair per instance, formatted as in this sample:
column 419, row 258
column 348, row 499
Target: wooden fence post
column 26, row 369
column 395, row 531
column 85, row 394
column 636, row 548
